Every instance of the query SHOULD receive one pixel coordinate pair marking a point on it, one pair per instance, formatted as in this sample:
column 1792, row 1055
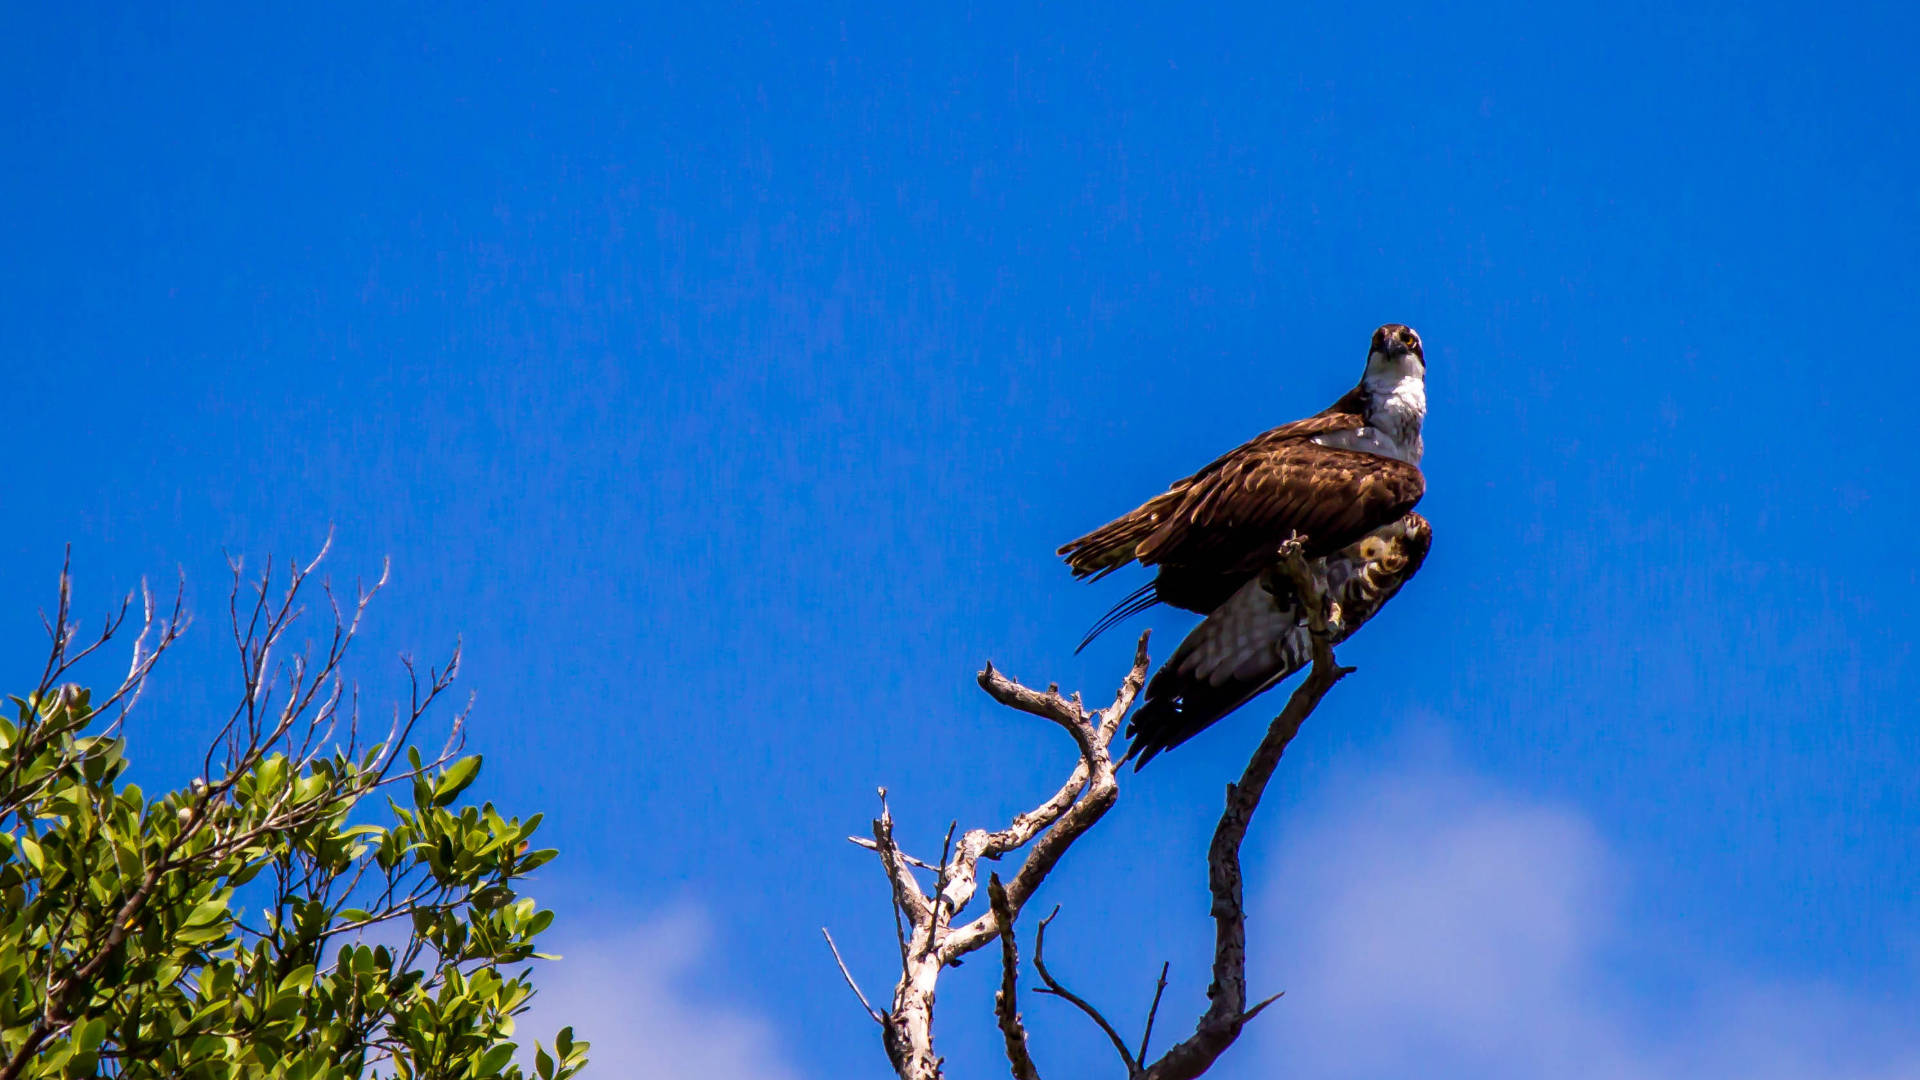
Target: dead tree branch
column 924, row 918
column 1006, row 1004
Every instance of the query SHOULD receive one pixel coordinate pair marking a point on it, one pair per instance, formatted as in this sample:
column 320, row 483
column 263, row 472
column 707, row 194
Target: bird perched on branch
column 1329, row 481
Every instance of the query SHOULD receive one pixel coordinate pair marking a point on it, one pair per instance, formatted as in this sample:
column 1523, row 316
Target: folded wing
column 1211, row 531
column 1258, row 636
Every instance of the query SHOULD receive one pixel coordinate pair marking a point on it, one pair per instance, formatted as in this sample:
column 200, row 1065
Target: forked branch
column 925, row 913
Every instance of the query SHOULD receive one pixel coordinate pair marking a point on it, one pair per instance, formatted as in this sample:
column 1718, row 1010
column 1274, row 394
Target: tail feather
column 1130, row 605
column 1116, row 543
column 1174, row 713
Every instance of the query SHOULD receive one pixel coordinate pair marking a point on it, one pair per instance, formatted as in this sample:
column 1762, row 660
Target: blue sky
column 727, row 377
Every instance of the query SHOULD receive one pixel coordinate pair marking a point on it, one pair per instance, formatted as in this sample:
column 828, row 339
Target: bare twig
column 1053, row 987
column 1153, row 1011
column 867, row 842
column 848, row 975
column 1006, row 1005
column 1262, row 1006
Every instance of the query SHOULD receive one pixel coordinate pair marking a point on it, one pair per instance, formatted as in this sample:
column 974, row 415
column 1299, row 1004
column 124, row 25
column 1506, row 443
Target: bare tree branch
column 1006, row 1005
column 924, row 923
column 1057, row 990
column 1059, row 821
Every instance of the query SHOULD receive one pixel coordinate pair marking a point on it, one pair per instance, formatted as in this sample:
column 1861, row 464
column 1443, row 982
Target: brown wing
column 1117, row 543
column 1231, row 517
column 1258, row 637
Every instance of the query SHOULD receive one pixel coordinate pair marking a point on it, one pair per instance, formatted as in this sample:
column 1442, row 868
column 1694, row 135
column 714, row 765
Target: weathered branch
column 928, row 940
column 1063, row 819
column 1006, row 1004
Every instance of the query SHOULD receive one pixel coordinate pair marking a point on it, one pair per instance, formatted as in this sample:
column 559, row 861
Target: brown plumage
column 1331, row 479
column 1259, row 636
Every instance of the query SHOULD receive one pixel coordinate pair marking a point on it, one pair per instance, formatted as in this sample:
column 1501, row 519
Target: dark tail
column 1176, row 711
column 1130, row 605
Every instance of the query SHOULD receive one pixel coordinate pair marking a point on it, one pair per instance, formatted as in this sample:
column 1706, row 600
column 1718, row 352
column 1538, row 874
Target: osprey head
column 1396, row 350
column 1394, row 391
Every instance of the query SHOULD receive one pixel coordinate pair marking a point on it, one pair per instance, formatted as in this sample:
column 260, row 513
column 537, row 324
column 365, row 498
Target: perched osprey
column 1259, row 636
column 1330, row 479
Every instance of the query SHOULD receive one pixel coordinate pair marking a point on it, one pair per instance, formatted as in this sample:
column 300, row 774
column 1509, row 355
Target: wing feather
column 1258, row 637
column 1208, row 532
column 1236, row 514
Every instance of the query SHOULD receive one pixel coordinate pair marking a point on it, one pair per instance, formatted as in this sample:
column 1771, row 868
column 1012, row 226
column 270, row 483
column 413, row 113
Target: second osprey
column 1332, row 479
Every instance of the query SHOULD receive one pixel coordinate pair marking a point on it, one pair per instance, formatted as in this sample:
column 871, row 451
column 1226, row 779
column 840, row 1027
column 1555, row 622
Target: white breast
column 1393, row 429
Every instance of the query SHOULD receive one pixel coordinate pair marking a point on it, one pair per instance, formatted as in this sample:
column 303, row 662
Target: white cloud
column 625, row 993
column 1434, row 926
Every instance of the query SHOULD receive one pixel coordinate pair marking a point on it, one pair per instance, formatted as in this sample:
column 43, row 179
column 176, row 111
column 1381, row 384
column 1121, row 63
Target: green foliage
column 283, row 916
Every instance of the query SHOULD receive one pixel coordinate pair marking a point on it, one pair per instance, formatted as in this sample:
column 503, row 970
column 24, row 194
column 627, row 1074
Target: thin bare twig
column 1053, row 987
column 848, row 975
column 867, row 842
column 1153, row 1011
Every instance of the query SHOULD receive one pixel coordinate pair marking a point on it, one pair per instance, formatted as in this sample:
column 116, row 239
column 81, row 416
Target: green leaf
column 298, row 977
column 200, row 935
column 87, row 1037
column 31, row 849
column 493, row 1061
column 271, row 774
column 455, row 780
column 206, row 913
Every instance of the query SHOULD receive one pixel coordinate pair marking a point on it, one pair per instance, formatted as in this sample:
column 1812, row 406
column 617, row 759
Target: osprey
column 1330, row 480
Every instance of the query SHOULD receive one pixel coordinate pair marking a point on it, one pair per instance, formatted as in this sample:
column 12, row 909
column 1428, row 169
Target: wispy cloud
column 626, row 992
column 1433, row 925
